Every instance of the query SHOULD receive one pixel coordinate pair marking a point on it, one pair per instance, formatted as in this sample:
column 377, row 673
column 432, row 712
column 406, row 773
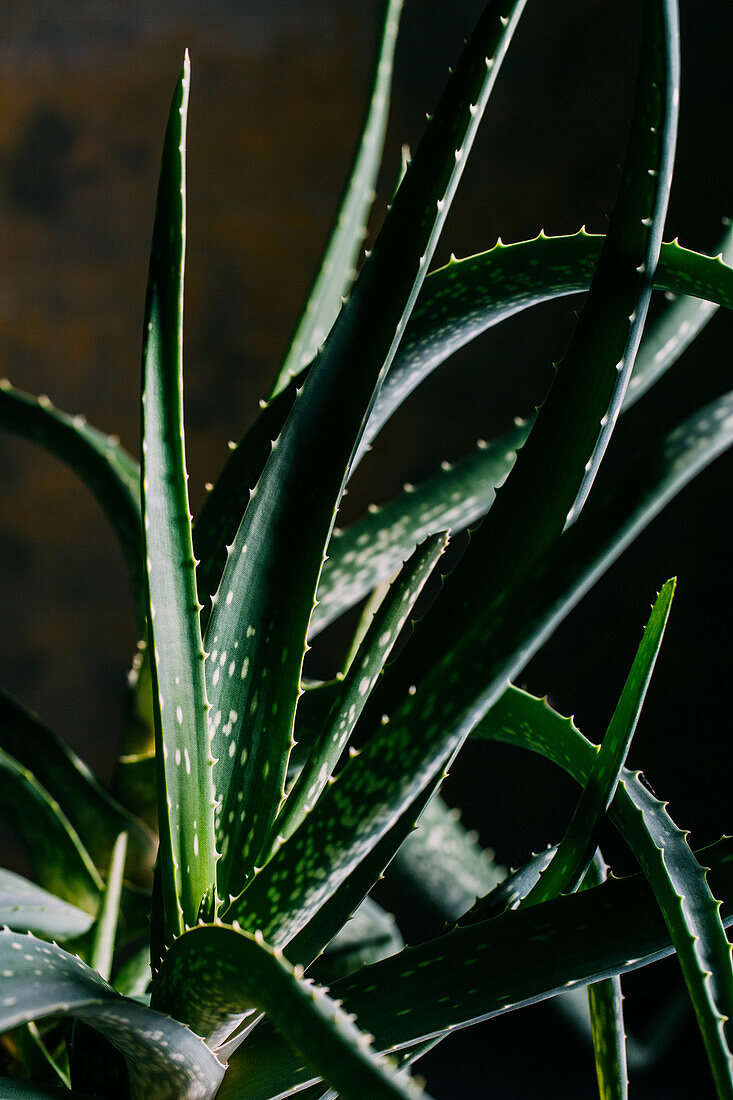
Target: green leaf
column 502, row 281
column 609, row 523
column 678, row 881
column 300, row 488
column 212, row 970
column 337, row 271
column 575, row 851
column 98, row 459
column 353, row 691
column 184, row 763
column 466, row 488
column 57, row 855
column 93, row 813
column 26, row 907
column 486, row 969
column 164, row 1059
column 466, row 297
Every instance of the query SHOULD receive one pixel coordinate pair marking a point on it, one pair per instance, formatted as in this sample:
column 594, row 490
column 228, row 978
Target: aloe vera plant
column 230, row 945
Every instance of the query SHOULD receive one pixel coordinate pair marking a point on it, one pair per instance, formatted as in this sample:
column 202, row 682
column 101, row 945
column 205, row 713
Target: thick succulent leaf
column 353, row 690
column 575, row 851
column 26, row 907
column 301, row 485
column 584, row 552
column 469, row 296
column 483, row 970
column 184, row 763
column 98, row 459
column 458, row 302
column 58, row 857
column 352, row 569
column 164, row 1059
column 94, row 814
column 214, row 970
column 372, row 549
column 337, row 271
column 677, row 879
column 444, row 864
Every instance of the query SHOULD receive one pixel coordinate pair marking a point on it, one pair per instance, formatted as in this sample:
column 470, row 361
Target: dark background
column 278, row 92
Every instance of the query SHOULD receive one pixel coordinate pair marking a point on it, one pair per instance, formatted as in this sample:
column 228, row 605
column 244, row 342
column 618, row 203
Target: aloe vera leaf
column 444, row 864
column 240, row 972
column 58, row 857
column 372, row 549
column 183, row 753
column 165, row 1060
column 611, row 521
column 353, row 690
column 98, row 459
column 26, row 907
column 95, row 815
column 468, row 296
column 677, row 879
column 104, row 931
column 337, row 272
column 509, row 278
column 350, row 569
column 483, row 970
column 575, row 851
column 275, row 603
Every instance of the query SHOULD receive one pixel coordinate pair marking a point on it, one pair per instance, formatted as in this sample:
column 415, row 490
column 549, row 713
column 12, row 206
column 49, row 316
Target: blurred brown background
column 278, row 93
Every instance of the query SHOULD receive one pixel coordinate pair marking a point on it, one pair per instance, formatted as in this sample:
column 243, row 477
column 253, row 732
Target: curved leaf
column 466, row 297
column 214, row 972
column 164, row 1059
